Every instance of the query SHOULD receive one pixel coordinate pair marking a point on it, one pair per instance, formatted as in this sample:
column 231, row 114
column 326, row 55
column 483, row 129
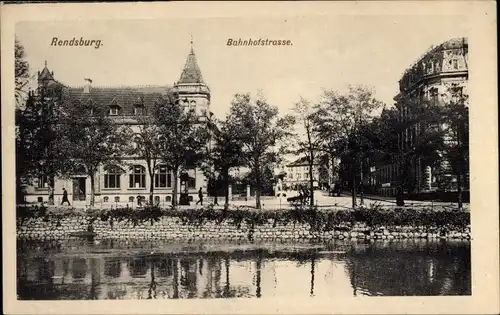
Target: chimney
column 88, row 84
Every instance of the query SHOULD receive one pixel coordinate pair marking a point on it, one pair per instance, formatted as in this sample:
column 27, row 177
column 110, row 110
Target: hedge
column 324, row 220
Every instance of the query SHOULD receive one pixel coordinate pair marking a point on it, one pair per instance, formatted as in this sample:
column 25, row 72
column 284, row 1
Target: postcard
column 261, row 157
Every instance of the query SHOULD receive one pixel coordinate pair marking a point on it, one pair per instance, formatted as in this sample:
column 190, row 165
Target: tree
column 149, row 147
column 420, row 138
column 262, row 133
column 21, row 73
column 92, row 139
column 184, row 138
column 346, row 115
column 309, row 139
column 37, row 139
column 225, row 154
column 457, row 131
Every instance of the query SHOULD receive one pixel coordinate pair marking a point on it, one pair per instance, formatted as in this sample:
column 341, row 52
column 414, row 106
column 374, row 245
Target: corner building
column 124, row 104
column 429, row 79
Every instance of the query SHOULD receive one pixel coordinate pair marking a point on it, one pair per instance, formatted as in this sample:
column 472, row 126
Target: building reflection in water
column 364, row 269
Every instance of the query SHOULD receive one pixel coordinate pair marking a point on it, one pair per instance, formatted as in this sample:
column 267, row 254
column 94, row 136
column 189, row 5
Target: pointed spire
column 191, row 72
column 45, row 75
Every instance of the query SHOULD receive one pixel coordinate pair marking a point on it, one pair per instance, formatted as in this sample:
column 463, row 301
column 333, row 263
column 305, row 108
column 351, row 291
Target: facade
column 125, row 105
column 297, row 173
column 429, row 79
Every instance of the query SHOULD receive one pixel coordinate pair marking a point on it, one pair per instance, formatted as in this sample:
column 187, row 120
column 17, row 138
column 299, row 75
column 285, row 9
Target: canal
column 110, row 269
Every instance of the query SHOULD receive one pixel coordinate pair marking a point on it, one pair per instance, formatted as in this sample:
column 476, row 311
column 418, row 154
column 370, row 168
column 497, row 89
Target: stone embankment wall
column 173, row 228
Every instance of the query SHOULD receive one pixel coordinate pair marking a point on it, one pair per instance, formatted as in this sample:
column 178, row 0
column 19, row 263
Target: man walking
column 65, row 197
column 200, row 196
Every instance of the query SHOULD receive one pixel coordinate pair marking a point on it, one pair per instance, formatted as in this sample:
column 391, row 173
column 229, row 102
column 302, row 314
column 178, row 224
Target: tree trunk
column 353, row 176
column 151, row 187
column 400, row 189
column 51, row 189
column 459, row 190
column 361, row 188
column 174, row 192
column 226, row 190
column 459, row 175
column 92, row 190
column 311, row 184
column 257, row 188
column 332, row 175
column 257, row 196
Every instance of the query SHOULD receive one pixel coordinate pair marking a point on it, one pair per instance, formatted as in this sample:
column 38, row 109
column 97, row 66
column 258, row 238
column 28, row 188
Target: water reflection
column 334, row 269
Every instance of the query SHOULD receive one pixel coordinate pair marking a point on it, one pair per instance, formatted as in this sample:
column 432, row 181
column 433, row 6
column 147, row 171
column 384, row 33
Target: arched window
column 163, row 177
column 112, row 178
column 137, row 177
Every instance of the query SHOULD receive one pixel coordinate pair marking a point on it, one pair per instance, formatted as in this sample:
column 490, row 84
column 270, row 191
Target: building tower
column 45, row 77
column 192, row 92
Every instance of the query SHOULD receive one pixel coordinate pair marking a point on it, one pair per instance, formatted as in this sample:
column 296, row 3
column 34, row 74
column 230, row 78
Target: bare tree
column 309, row 140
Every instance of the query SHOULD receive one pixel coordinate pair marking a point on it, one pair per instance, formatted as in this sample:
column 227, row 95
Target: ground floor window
column 163, row 177
column 137, row 178
column 191, row 182
column 112, row 178
column 43, row 181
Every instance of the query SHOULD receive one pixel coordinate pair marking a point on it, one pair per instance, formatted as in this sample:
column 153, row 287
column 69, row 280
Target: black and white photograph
column 265, row 157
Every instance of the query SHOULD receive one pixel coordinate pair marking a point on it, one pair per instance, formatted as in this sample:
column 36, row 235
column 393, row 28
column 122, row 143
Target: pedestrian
column 200, row 196
column 65, row 197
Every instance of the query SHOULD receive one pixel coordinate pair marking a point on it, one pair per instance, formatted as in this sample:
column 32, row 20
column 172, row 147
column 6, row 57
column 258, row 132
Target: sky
column 327, row 53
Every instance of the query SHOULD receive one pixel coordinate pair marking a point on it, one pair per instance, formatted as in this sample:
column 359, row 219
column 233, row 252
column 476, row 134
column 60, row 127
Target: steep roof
column 126, row 97
column 191, row 72
column 45, row 75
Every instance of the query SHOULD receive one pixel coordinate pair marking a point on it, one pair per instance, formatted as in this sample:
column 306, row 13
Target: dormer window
column 114, row 107
column 114, row 110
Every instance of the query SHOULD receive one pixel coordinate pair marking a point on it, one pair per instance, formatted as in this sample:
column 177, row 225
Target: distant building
column 125, row 105
column 296, row 173
column 429, row 79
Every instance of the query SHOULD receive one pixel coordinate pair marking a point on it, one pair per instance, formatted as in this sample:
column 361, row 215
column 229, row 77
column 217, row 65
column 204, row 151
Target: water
column 83, row 270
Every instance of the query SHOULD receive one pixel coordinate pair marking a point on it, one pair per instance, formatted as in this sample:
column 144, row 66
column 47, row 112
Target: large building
column 432, row 78
column 125, row 105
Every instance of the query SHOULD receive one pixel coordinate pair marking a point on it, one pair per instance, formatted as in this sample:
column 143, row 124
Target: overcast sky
column 327, row 52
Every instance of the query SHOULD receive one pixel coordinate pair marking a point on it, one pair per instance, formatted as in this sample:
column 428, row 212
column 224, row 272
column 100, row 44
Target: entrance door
column 79, row 188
